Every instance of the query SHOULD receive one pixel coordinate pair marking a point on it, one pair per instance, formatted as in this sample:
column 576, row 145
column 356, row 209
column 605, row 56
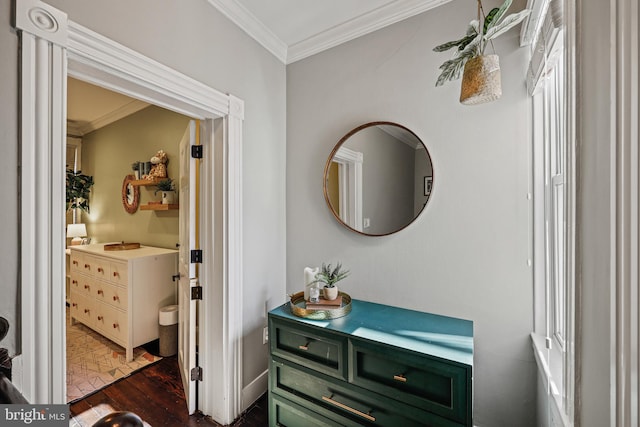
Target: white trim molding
column 381, row 17
column 627, row 410
column 98, row 60
column 243, row 18
column 43, row 66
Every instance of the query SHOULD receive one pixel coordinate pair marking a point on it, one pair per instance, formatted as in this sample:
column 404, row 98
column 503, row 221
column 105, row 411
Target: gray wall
column 191, row 37
column 466, row 255
column 9, row 174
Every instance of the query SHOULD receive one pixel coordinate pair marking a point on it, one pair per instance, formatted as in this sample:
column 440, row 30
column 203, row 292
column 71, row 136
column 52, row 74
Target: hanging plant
column 470, row 53
column 78, row 188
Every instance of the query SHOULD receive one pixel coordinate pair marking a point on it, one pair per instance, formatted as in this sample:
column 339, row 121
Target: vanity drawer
column 358, row 405
column 422, row 381
column 312, row 348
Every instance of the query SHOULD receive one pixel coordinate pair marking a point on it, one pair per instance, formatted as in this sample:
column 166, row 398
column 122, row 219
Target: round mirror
column 130, row 194
column 378, row 178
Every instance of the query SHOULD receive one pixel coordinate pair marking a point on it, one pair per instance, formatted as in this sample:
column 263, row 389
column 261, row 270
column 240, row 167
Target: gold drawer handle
column 75, row 262
column 348, row 408
column 304, row 347
column 100, row 270
column 400, row 378
column 116, row 274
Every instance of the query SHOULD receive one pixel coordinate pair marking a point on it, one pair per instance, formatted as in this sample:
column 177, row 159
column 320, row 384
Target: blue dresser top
column 440, row 336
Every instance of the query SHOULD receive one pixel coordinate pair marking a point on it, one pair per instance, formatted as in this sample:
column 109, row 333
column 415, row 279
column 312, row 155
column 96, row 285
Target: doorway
column 46, row 56
column 109, row 136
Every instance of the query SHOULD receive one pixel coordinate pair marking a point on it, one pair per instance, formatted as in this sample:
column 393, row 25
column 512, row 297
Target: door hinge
column 196, row 293
column 196, row 256
column 196, row 151
column 196, row 374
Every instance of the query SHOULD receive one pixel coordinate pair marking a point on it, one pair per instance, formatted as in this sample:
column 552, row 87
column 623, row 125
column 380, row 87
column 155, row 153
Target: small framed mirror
column 130, row 194
column 378, row 178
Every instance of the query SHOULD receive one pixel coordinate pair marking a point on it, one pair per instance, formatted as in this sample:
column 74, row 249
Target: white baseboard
column 254, row 390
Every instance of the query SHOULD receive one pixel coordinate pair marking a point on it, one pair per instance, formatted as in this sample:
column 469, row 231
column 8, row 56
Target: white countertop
column 98, row 249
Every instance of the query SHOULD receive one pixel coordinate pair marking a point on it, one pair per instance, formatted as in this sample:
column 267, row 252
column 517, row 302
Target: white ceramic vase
column 168, row 197
column 331, row 293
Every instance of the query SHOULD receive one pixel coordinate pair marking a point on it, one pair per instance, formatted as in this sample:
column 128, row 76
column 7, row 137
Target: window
column 549, row 83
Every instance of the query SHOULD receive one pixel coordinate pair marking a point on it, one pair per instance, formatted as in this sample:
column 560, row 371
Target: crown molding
column 83, row 128
column 354, row 28
column 359, row 26
column 239, row 15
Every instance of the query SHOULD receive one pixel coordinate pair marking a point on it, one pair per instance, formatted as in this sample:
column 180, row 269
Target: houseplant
column 77, row 191
column 481, row 77
column 330, row 277
column 168, row 190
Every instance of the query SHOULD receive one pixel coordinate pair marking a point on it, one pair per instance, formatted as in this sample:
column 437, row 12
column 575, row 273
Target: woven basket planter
column 481, row 80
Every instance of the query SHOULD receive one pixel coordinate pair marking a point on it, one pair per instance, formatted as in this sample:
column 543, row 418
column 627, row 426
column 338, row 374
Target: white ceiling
column 295, row 29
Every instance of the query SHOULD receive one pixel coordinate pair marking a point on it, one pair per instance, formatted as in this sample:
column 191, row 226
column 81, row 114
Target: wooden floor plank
column 155, row 393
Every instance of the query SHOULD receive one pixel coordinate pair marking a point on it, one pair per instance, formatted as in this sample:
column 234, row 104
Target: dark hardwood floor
column 155, row 394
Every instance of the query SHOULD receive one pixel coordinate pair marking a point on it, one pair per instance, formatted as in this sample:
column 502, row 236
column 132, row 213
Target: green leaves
column 476, row 39
column 78, row 187
column 330, row 276
column 508, row 23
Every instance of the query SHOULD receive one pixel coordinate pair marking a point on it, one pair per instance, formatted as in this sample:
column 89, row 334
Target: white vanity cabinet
column 119, row 293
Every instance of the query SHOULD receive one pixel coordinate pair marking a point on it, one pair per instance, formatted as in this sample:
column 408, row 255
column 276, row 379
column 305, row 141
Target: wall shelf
column 145, row 182
column 158, row 207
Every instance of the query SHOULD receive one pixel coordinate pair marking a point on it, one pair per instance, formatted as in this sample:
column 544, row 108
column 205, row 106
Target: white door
column 187, row 190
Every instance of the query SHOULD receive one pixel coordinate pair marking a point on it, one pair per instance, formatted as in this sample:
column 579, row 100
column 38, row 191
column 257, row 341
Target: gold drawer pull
column 116, row 297
column 348, row 408
column 400, row 378
column 100, row 292
column 116, row 274
column 75, row 262
column 304, row 347
column 100, row 270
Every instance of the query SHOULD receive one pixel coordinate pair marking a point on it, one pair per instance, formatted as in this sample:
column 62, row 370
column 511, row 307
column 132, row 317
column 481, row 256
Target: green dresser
column 377, row 366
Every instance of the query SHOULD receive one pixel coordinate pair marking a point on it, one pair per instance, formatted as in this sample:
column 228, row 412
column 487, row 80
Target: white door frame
column 52, row 48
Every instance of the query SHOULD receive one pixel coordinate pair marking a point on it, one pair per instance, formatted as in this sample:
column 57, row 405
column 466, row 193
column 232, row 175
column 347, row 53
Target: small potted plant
column 481, row 74
column 330, row 276
column 168, row 191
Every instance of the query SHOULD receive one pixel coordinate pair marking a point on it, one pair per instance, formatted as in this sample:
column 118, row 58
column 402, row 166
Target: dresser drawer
column 82, row 308
column 76, row 262
column 111, row 294
column 83, row 284
column 361, row 406
column 112, row 322
column 118, row 273
column 312, row 348
column 285, row 413
column 418, row 380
